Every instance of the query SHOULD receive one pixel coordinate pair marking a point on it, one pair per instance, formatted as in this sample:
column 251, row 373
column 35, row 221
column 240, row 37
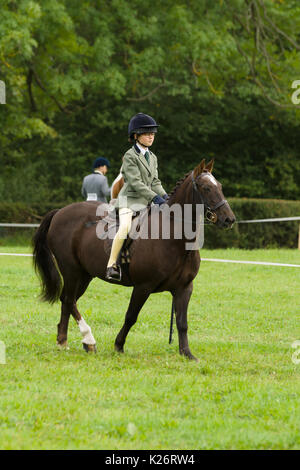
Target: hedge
column 19, row 212
column 249, row 236
column 257, row 235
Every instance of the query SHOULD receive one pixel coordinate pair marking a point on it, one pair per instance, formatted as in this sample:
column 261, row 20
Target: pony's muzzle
column 226, row 221
column 229, row 222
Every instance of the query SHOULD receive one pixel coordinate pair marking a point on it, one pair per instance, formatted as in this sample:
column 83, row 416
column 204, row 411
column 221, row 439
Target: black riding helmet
column 140, row 124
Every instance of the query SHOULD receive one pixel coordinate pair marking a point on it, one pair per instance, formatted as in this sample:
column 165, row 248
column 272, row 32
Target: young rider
column 141, row 183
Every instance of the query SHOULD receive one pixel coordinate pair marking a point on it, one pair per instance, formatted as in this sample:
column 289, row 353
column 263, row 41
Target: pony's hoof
column 89, row 347
column 63, row 346
column 119, row 349
column 189, row 356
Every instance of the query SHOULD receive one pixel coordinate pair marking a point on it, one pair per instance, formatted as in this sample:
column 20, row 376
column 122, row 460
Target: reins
column 172, row 322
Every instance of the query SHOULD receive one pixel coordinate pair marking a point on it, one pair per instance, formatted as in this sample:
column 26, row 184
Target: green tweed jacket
column 141, row 182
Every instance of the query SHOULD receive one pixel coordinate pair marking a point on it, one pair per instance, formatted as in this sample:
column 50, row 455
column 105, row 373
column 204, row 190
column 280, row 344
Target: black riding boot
column 113, row 273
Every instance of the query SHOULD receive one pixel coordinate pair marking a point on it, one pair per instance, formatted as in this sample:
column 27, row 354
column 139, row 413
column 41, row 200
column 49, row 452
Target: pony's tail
column 44, row 262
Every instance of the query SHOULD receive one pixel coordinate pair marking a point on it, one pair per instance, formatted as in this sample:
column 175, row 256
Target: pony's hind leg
column 88, row 340
column 71, row 292
column 62, row 327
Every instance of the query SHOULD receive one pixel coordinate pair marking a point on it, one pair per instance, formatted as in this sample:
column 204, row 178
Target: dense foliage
column 217, row 76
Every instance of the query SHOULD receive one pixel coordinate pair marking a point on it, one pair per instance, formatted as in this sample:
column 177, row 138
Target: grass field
column 243, row 394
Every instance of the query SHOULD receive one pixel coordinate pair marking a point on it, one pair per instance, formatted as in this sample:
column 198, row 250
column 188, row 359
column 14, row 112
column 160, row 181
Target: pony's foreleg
column 181, row 301
column 138, row 298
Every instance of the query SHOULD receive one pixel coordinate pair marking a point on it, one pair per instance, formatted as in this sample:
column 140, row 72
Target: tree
column 217, row 76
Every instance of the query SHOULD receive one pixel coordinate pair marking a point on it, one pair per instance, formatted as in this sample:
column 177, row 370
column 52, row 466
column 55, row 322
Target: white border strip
column 251, row 262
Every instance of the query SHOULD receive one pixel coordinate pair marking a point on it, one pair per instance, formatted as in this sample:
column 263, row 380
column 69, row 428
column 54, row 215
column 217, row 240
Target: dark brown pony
column 68, row 254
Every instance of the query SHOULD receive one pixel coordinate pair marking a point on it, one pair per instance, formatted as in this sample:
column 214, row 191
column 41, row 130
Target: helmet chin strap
column 144, row 146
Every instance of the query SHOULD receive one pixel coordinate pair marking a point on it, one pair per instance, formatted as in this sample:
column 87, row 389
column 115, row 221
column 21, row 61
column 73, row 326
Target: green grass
column 243, row 394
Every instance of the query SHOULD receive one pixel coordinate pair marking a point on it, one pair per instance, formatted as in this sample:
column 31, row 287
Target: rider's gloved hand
column 158, row 200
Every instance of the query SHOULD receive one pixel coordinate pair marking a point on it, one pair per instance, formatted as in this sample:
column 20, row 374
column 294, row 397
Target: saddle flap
column 108, row 226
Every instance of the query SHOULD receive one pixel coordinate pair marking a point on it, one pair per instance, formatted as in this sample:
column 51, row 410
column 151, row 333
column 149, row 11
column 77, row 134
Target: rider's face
column 146, row 139
column 103, row 169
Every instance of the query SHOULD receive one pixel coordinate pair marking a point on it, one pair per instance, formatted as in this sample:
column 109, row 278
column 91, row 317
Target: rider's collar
column 139, row 148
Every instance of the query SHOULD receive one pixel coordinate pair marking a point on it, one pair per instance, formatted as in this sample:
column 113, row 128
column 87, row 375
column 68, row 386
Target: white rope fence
column 20, row 225
column 216, row 260
column 263, row 263
column 280, row 219
column 252, row 221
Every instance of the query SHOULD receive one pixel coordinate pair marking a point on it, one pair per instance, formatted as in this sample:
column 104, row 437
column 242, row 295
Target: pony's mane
column 179, row 183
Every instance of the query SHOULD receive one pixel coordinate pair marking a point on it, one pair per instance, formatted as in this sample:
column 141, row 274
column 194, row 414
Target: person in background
column 95, row 186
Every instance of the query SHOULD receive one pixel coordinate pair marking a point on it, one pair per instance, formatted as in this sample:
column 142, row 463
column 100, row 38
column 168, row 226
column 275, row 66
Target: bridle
column 209, row 212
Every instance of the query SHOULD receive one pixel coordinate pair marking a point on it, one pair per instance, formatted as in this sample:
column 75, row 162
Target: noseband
column 209, row 212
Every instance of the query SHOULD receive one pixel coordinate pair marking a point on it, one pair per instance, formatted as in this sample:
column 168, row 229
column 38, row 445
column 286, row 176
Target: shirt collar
column 98, row 171
column 141, row 149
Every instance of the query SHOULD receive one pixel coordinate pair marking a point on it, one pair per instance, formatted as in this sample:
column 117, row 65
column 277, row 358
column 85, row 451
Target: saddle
column 107, row 227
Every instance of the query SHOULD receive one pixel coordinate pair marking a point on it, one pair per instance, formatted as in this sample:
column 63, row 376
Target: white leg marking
column 86, row 332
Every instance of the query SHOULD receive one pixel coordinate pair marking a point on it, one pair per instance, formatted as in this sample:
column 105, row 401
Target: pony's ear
column 210, row 165
column 199, row 168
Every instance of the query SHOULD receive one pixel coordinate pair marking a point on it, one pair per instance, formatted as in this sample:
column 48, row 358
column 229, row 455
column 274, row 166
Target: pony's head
column 208, row 191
